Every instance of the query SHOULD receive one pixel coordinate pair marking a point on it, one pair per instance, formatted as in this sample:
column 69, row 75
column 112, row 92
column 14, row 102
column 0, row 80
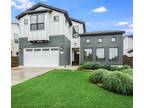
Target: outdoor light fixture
column 61, row 49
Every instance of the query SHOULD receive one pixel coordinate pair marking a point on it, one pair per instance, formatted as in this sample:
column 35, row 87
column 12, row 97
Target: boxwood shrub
column 97, row 65
column 118, row 82
column 97, row 76
column 92, row 65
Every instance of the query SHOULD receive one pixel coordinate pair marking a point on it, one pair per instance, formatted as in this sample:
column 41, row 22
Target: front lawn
column 65, row 89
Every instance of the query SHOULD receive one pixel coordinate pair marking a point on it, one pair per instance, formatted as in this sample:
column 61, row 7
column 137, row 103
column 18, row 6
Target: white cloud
column 100, row 9
column 130, row 30
column 121, row 23
column 131, row 25
column 21, row 4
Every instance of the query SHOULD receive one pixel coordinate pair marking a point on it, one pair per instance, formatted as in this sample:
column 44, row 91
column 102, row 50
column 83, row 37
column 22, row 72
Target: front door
column 76, row 57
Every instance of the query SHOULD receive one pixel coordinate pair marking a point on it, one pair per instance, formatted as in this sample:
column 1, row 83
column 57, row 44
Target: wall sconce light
column 61, row 49
column 20, row 49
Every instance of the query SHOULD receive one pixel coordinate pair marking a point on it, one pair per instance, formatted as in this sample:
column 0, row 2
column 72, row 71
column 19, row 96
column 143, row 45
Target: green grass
column 65, row 89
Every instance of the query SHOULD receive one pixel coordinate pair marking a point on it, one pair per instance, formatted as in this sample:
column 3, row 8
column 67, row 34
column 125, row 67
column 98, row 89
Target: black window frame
column 112, row 38
column 86, row 58
column 76, row 33
column 98, row 59
column 56, row 18
column 100, row 38
column 37, row 23
column 117, row 58
column 87, row 42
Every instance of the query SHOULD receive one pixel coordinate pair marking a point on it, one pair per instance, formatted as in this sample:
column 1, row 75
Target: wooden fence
column 14, row 61
column 128, row 60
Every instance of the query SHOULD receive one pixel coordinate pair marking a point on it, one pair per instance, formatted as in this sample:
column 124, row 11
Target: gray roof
column 99, row 33
column 79, row 21
column 130, row 36
column 46, row 6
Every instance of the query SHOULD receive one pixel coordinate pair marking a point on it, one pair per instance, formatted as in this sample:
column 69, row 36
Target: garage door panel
column 45, row 57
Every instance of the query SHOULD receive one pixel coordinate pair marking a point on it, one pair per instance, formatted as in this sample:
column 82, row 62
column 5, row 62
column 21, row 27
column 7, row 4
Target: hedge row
column 115, row 81
column 96, row 65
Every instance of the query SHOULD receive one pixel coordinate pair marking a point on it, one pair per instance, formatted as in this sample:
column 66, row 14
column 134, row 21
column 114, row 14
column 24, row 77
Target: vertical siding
column 51, row 28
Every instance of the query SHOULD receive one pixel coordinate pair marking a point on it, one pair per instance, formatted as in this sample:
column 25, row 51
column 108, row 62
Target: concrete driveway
column 19, row 75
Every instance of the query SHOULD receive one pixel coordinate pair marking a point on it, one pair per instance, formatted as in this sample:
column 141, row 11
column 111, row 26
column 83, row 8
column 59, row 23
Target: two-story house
column 49, row 37
column 14, row 39
column 46, row 34
column 128, row 45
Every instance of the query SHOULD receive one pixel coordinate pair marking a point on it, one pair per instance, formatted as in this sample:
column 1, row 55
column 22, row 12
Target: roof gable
column 48, row 7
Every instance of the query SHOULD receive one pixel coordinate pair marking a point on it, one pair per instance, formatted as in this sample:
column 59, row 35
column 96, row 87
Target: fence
column 14, row 61
column 128, row 60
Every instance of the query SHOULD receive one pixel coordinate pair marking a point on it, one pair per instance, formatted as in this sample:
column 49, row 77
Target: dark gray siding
column 106, row 44
column 55, row 41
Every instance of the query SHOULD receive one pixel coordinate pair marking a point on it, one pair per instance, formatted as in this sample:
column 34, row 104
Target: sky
column 97, row 14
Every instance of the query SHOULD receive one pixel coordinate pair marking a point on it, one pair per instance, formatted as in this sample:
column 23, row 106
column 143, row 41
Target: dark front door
column 76, row 57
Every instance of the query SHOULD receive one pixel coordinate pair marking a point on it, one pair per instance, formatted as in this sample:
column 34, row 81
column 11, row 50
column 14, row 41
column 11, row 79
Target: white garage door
column 41, row 57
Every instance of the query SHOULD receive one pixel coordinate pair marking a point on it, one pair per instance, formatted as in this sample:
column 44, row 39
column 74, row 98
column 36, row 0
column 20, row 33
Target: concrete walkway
column 21, row 74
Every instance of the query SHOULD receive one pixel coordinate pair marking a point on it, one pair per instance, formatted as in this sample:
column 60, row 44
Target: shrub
column 92, row 65
column 115, row 68
column 128, row 71
column 97, row 76
column 118, row 82
column 125, row 67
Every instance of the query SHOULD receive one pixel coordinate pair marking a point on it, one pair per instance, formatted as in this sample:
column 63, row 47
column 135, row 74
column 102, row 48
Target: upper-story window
column 15, row 38
column 37, row 22
column 25, row 21
column 76, row 29
column 100, row 40
column 88, row 40
column 113, row 39
column 56, row 18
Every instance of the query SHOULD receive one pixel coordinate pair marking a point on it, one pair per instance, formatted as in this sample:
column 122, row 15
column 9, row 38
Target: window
column 56, row 18
column 76, row 29
column 100, row 40
column 88, row 40
column 113, row 54
column 28, row 49
column 100, row 54
column 45, row 49
column 25, row 21
column 88, row 54
column 15, row 38
column 37, row 22
column 113, row 39
column 37, row 49
column 54, row 49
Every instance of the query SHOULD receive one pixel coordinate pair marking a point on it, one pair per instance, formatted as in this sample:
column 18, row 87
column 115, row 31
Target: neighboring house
column 128, row 45
column 14, row 39
column 102, row 46
column 49, row 37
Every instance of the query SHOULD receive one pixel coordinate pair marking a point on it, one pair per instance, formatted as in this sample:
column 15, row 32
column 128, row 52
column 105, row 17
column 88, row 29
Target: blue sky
column 98, row 14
